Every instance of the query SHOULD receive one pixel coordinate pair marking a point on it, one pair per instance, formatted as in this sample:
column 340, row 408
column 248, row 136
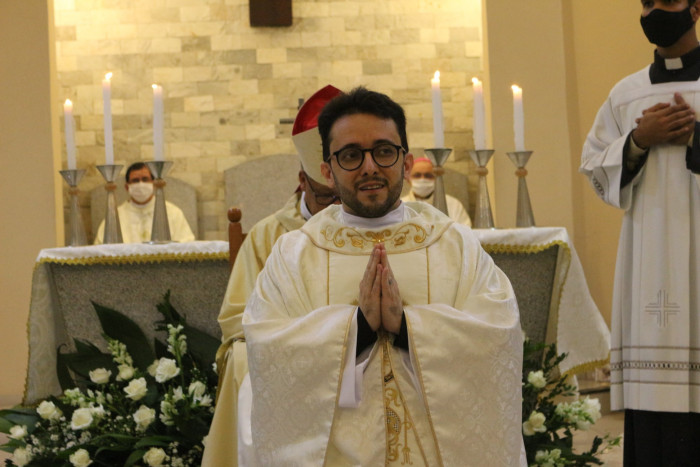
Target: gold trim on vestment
column 419, row 374
column 394, row 425
column 343, row 235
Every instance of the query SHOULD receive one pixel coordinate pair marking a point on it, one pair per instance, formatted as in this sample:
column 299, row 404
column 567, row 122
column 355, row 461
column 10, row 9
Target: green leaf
column 118, row 326
column 201, row 345
column 62, row 371
column 135, row 457
column 27, row 417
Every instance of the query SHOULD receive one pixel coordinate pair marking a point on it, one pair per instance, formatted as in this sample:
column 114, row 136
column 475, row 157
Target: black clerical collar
column 684, row 68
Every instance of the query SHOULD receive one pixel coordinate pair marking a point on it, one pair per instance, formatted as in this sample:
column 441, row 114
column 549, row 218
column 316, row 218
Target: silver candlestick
column 160, row 232
column 113, row 230
column 524, row 216
column 77, row 228
column 438, row 156
column 483, row 218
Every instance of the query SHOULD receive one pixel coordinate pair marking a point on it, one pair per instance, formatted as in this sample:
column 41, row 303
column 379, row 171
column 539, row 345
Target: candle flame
column 68, row 102
column 436, row 76
column 516, row 89
column 108, row 76
column 154, row 86
column 476, row 81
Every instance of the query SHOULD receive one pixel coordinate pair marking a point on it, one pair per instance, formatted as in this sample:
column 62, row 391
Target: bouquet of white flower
column 136, row 405
column 548, row 425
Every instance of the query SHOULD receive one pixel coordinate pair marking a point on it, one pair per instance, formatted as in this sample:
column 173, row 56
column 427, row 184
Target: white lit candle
column 157, row 122
column 107, row 103
column 438, row 131
column 518, row 121
column 479, row 118
column 70, row 133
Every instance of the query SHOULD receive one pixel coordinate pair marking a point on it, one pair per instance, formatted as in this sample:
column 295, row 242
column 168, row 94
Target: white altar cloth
column 580, row 329
column 46, row 325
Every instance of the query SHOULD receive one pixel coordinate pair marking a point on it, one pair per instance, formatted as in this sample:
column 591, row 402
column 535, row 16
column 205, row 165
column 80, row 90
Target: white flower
column 18, row 431
column 100, row 376
column 534, row 424
column 205, row 400
column 80, row 458
column 126, row 372
column 549, row 458
column 592, row 408
column 154, row 456
column 48, row 411
column 98, row 411
column 21, row 457
column 167, row 369
column 136, row 389
column 166, row 412
column 537, row 379
column 144, row 416
column 82, row 418
column 178, row 395
column 197, row 389
column 152, row 368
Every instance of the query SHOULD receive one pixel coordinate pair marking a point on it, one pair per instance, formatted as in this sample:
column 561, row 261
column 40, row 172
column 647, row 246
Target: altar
column 541, row 262
column 130, row 278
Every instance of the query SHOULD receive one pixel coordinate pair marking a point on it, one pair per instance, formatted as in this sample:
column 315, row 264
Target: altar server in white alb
column 136, row 214
column 643, row 156
column 380, row 333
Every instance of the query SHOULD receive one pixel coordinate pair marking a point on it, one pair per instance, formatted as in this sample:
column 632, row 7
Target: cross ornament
column 662, row 308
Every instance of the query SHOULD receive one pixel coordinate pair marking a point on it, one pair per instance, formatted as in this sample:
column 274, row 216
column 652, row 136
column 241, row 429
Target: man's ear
column 327, row 174
column 695, row 11
column 407, row 166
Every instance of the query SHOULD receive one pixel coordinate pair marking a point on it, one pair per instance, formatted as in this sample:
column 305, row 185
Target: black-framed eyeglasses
column 384, row 155
column 322, row 199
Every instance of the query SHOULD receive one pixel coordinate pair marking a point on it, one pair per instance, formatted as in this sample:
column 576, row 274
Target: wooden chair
column 235, row 234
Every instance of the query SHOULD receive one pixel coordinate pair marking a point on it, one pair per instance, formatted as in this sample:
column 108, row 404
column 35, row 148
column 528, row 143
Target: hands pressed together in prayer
column 380, row 300
column 665, row 123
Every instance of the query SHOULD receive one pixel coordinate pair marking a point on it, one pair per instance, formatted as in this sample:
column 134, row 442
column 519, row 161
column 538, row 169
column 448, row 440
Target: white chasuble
column 454, row 399
column 655, row 355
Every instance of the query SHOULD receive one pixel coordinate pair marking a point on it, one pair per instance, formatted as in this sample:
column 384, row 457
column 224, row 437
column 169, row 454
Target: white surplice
column 655, row 356
column 453, row 399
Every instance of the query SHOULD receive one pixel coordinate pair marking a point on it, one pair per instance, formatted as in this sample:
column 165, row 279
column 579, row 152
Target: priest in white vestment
column 312, row 196
column 643, row 156
column 380, row 333
column 422, row 183
column 136, row 213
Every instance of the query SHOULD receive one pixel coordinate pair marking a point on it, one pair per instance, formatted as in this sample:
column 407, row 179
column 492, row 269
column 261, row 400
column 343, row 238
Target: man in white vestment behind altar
column 312, row 196
column 380, row 332
column 423, row 188
column 643, row 156
column 136, row 214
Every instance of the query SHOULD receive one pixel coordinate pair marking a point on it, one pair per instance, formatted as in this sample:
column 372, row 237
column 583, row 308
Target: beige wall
column 227, row 85
column 28, row 179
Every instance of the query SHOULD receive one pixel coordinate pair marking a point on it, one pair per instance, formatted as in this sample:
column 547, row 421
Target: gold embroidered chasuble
column 454, row 398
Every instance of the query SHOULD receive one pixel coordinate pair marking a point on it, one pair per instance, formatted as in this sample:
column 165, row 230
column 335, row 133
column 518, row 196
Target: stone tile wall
column 228, row 85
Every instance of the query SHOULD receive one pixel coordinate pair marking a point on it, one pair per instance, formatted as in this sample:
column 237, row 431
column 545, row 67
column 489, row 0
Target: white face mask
column 141, row 191
column 422, row 187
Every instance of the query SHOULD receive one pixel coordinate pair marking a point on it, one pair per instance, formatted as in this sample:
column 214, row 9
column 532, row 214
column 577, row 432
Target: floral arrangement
column 550, row 417
column 135, row 405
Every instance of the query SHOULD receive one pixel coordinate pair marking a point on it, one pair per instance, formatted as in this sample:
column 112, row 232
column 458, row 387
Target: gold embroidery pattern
column 397, row 451
column 360, row 240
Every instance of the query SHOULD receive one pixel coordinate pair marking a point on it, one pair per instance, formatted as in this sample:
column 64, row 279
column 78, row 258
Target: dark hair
column 360, row 101
column 136, row 166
